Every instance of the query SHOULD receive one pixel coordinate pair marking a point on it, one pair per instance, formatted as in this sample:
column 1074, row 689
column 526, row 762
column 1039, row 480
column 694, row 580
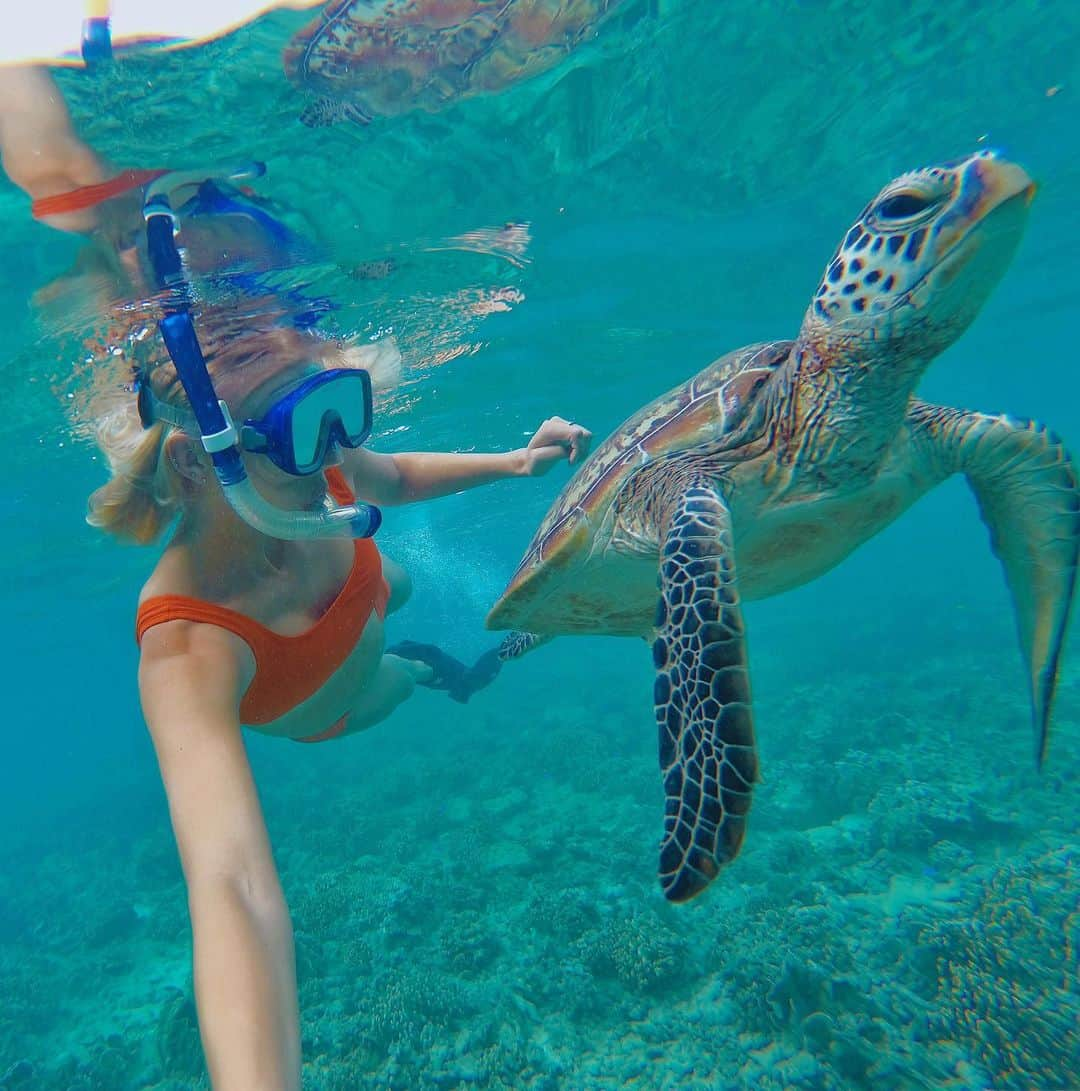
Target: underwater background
column 473, row 887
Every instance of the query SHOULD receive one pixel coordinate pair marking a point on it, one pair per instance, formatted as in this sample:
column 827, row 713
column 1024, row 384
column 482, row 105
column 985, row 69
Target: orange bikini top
column 290, row 669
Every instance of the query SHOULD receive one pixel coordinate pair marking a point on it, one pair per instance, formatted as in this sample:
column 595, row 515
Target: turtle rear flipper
column 325, row 111
column 516, row 644
column 702, row 694
column 1028, row 493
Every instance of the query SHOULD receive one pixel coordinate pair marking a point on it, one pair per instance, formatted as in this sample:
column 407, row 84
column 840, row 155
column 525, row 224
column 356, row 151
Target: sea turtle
column 770, row 466
column 362, row 59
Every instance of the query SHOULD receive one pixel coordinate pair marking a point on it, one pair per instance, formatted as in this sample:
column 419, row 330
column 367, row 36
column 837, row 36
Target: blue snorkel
column 219, row 434
column 96, row 44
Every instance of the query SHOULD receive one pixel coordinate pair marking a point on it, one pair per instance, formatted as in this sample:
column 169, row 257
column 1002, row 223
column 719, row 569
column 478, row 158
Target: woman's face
column 251, row 390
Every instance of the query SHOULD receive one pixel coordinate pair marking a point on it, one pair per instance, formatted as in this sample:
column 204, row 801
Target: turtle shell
column 363, row 59
column 606, row 521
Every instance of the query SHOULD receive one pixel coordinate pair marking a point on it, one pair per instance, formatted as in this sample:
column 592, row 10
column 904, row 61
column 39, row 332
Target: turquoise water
column 473, row 887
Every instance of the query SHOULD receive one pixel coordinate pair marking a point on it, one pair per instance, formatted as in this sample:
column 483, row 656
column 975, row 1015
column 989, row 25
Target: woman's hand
column 410, row 476
column 554, row 440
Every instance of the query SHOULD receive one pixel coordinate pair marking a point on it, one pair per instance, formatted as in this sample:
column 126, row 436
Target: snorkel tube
column 219, row 434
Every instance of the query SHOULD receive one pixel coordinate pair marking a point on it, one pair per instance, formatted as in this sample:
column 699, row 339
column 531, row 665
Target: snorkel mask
column 331, row 407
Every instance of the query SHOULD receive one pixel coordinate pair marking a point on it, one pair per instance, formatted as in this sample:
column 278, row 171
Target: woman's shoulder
column 176, row 622
column 174, row 574
column 188, row 666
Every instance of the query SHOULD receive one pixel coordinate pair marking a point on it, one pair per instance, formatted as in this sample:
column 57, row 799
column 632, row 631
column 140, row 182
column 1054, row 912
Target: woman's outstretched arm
column 245, row 977
column 424, row 475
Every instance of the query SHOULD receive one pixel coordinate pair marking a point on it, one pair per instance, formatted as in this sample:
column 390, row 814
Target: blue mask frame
column 327, row 409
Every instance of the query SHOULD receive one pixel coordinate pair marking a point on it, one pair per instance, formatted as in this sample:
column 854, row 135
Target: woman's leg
column 447, row 673
column 400, row 584
column 393, row 683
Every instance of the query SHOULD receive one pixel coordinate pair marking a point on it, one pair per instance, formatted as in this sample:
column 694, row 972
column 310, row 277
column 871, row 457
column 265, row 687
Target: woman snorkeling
column 266, row 609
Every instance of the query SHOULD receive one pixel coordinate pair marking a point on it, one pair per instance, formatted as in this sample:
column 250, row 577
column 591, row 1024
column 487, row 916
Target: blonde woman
column 238, row 626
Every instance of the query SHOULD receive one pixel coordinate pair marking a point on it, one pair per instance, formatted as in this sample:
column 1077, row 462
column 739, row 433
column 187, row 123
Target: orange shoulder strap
column 87, row 196
column 162, row 608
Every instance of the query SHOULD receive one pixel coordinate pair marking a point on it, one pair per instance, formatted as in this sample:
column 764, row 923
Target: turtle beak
column 988, row 185
column 1002, row 181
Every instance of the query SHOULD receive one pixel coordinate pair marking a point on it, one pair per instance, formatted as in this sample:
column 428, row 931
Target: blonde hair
column 145, row 493
column 143, row 496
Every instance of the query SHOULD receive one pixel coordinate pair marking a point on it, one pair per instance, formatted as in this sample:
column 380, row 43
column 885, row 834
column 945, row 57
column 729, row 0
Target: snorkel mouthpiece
column 353, row 521
column 218, row 432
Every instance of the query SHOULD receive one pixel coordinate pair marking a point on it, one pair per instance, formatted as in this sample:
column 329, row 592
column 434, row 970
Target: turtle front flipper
column 1028, row 493
column 702, row 694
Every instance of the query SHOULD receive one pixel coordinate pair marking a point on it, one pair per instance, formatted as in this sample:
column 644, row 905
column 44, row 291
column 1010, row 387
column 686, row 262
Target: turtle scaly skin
column 771, row 465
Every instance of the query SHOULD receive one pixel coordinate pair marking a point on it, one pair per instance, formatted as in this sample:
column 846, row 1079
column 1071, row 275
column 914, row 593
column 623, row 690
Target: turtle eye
column 902, row 206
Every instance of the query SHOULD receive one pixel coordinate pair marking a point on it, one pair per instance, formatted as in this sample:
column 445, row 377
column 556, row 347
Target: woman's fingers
column 580, row 440
column 571, row 437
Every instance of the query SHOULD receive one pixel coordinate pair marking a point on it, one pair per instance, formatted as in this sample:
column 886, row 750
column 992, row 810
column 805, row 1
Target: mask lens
column 354, row 410
column 307, row 434
column 337, row 407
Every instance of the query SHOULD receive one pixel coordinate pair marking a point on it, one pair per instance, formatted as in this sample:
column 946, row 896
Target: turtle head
column 914, row 269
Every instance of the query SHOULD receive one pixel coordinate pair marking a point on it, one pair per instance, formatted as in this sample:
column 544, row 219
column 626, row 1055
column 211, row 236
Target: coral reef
column 485, row 913
column 1006, row 973
column 177, row 1038
column 638, row 952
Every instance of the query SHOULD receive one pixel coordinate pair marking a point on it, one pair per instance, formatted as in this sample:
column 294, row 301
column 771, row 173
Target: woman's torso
column 307, row 632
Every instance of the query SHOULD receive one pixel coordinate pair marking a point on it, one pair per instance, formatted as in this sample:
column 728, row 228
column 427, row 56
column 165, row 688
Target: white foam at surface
column 50, row 30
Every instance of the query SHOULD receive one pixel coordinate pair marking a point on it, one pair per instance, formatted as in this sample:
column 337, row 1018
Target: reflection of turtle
column 372, row 58
column 774, row 463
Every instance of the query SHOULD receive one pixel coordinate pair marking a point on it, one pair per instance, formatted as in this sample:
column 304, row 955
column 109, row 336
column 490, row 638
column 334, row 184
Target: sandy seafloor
column 904, row 913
